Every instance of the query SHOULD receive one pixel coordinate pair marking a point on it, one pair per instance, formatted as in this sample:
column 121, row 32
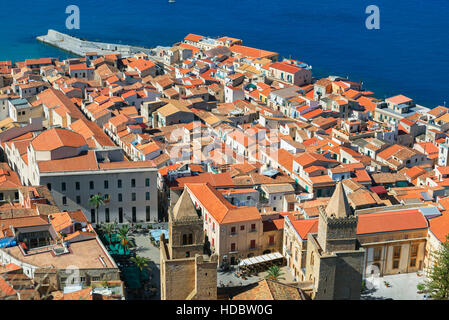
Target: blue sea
column 409, row 54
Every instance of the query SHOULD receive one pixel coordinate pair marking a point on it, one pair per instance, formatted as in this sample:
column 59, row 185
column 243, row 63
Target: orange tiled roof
column 251, row 52
column 220, row 208
column 57, row 138
column 391, row 221
column 440, row 226
column 193, row 37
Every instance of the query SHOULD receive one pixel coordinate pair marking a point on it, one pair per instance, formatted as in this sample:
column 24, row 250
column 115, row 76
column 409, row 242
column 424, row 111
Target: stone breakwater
column 80, row 47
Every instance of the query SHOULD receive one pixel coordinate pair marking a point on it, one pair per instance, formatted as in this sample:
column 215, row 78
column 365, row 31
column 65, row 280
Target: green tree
column 140, row 262
column 124, row 242
column 275, row 273
column 124, row 230
column 96, row 201
column 437, row 284
column 108, row 229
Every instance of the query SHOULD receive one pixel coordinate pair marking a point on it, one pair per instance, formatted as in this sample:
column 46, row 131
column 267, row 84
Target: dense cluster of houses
column 256, row 141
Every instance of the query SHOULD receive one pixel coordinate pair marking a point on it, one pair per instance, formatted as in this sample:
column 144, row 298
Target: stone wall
column 80, row 47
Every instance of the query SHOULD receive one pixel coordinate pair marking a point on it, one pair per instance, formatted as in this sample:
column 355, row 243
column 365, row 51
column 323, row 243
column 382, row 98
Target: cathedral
column 186, row 272
column 334, row 256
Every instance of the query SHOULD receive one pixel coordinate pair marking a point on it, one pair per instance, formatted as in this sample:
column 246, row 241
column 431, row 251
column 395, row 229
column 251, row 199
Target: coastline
column 53, row 43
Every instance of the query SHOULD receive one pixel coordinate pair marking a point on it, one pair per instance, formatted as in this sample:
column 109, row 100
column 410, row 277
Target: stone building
column 186, row 273
column 334, row 256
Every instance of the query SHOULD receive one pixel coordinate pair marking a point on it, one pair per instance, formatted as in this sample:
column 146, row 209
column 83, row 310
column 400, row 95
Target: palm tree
column 96, row 201
column 108, row 228
column 275, row 273
column 124, row 242
column 124, row 230
column 140, row 262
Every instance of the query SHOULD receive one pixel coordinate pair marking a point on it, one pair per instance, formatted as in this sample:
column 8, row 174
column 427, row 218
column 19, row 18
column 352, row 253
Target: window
column 16, row 195
column 134, row 213
column 92, row 215
column 413, row 262
column 120, row 197
column 147, row 195
column 120, row 215
column 77, row 185
column 184, row 239
column 252, row 244
column 133, row 183
column 147, row 182
column 91, row 185
column 78, row 199
column 253, row 227
column 242, row 228
column 397, row 252
column 395, row 264
column 106, row 184
column 147, row 213
column 49, row 186
column 106, row 214
column 271, row 240
column 64, row 200
column 233, row 230
column 377, row 253
column 190, row 238
column 1, row 196
column 232, row 247
column 63, row 186
column 414, row 250
column 119, row 184
column 133, row 196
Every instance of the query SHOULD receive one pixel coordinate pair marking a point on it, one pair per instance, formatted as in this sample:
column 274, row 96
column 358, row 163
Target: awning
column 260, row 259
column 378, row 189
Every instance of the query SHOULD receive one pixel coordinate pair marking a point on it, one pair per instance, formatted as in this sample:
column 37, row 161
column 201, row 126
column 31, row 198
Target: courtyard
column 396, row 287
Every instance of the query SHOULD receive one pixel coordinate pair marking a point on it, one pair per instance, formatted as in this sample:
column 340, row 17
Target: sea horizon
column 403, row 57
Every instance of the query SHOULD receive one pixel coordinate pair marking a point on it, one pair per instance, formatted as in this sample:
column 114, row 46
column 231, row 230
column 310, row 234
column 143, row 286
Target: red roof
column 440, row 226
column 391, row 221
column 304, row 227
column 285, row 67
column 193, row 37
column 372, row 223
column 378, row 189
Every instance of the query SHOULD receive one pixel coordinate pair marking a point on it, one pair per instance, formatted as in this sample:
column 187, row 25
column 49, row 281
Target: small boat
column 171, row 1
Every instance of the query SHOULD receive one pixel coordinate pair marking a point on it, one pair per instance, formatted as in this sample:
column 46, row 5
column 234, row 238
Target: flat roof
column 84, row 255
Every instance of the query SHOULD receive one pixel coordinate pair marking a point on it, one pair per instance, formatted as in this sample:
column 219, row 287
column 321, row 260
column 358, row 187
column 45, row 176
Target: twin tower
column 334, row 259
